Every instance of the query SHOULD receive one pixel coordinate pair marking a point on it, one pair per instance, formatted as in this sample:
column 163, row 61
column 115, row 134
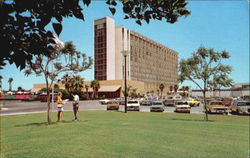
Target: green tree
column 76, row 84
column 95, row 85
column 24, row 31
column 52, row 64
column 10, row 83
column 152, row 92
column 129, row 89
column 66, row 81
column 87, row 91
column 20, row 89
column 176, row 88
column 161, row 87
column 171, row 89
column 133, row 93
column 186, row 88
column 204, row 68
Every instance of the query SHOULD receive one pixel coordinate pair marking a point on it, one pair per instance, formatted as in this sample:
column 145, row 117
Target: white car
column 104, row 101
column 182, row 106
column 133, row 105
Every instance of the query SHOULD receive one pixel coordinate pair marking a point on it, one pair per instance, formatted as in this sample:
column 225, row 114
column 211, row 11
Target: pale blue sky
column 222, row 25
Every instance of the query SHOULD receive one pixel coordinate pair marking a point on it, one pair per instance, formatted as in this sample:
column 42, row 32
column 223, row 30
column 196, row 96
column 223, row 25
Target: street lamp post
column 125, row 54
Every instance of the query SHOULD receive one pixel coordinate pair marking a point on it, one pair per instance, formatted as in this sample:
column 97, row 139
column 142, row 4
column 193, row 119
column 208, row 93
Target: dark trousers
column 75, row 108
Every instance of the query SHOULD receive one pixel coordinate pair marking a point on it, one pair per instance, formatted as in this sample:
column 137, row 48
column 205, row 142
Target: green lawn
column 105, row 134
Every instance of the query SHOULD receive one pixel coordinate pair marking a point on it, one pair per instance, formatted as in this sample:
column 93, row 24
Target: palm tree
column 66, row 81
column 129, row 88
column 10, row 83
column 20, row 89
column 95, row 85
column 87, row 91
column 176, row 88
column 171, row 89
column 161, row 87
column 187, row 89
column 1, row 77
column 158, row 92
column 152, row 92
column 76, row 84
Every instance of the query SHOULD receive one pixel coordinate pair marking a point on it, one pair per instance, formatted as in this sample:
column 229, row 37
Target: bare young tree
column 61, row 59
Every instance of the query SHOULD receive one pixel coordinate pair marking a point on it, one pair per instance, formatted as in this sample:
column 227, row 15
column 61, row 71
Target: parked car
column 112, row 105
column 209, row 99
column 104, row 101
column 217, row 107
column 121, row 101
column 240, row 107
column 193, row 102
column 133, row 105
column 182, row 106
column 157, row 106
column 227, row 101
column 146, row 102
column 171, row 100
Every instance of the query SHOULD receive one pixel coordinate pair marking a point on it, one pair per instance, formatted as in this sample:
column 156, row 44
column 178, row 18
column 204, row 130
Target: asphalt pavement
column 24, row 107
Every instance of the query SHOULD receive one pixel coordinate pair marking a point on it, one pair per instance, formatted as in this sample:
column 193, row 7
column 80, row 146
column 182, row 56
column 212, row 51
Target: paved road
column 20, row 107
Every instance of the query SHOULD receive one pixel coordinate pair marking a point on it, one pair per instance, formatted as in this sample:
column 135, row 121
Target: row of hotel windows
column 162, row 62
column 139, row 48
column 100, row 39
column 100, row 32
column 157, row 71
column 100, row 50
column 140, row 41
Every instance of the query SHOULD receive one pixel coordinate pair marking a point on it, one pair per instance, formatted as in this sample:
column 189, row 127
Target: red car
column 227, row 101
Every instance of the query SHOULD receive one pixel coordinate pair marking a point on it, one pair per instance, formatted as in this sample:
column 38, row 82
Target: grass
column 109, row 134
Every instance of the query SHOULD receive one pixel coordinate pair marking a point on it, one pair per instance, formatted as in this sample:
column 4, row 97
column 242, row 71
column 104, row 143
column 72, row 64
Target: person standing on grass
column 59, row 106
column 75, row 105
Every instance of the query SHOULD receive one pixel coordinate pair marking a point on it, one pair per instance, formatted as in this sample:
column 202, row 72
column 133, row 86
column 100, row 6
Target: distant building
column 148, row 62
column 238, row 90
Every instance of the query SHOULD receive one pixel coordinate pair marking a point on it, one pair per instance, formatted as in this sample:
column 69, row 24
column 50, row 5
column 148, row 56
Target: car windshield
column 216, row 103
column 243, row 104
column 133, row 102
column 157, row 103
column 170, row 98
column 227, row 99
column 182, row 103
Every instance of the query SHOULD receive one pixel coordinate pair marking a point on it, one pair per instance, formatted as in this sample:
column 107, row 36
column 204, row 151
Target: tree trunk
column 205, row 105
column 10, row 87
column 87, row 94
column 97, row 94
column 48, row 102
column 93, row 93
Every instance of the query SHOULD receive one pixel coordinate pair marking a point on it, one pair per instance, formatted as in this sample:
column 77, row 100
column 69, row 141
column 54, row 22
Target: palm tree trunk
column 10, row 86
column 87, row 94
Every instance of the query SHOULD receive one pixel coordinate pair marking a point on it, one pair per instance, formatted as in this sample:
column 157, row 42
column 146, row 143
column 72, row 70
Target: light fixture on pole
column 125, row 53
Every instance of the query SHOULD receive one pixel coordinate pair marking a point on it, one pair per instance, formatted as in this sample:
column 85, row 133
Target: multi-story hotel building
column 148, row 61
column 148, row 64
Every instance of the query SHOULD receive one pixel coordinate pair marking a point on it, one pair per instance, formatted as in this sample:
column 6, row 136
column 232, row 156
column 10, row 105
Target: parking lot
column 20, row 107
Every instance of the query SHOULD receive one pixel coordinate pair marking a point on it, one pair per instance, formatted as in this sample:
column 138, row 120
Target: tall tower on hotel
column 104, row 49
